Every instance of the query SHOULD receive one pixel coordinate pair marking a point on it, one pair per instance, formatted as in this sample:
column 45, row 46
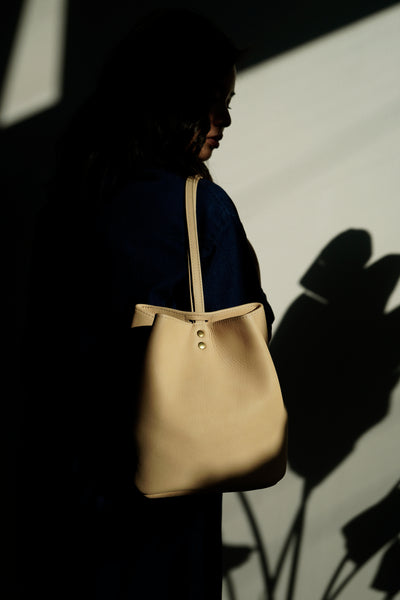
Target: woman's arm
column 231, row 274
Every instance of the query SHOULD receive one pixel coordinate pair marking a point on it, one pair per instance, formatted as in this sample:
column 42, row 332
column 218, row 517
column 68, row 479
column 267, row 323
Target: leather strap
column 195, row 278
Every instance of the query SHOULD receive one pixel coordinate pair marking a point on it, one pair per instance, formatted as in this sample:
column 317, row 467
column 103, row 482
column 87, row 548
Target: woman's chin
column 205, row 152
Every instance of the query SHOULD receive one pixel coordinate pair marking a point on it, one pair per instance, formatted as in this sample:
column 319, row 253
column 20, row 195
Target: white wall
column 313, row 150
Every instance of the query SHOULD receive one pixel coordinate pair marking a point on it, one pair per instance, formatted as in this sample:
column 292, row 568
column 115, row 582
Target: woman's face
column 219, row 115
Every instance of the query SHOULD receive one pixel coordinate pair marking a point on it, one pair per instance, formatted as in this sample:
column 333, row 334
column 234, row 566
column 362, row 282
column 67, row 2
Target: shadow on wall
column 337, row 355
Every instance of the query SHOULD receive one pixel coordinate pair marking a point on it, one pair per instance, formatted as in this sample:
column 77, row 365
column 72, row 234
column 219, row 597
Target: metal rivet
column 202, row 345
column 200, row 333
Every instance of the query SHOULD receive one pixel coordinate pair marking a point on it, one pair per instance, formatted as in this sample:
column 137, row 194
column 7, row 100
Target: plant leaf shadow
column 234, row 556
column 365, row 535
column 337, row 354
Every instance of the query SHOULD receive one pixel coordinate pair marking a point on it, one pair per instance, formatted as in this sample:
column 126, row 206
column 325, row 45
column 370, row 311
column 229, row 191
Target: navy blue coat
column 143, row 230
column 173, row 548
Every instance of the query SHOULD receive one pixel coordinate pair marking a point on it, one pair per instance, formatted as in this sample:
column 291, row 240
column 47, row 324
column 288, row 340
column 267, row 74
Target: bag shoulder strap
column 195, row 278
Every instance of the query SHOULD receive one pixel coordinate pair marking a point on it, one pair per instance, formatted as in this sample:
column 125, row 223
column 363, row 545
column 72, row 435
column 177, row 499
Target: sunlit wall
column 313, row 151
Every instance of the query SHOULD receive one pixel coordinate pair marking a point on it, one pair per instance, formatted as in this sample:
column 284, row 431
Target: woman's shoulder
column 159, row 196
column 214, row 196
column 158, row 184
column 144, row 202
column 216, row 212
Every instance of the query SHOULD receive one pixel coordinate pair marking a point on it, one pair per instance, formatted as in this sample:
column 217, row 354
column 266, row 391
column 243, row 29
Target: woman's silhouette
column 114, row 235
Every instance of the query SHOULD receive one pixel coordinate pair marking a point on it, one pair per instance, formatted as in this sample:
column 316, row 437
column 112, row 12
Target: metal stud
column 200, row 333
column 202, row 345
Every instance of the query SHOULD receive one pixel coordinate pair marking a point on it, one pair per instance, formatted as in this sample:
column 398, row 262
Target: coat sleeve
column 231, row 274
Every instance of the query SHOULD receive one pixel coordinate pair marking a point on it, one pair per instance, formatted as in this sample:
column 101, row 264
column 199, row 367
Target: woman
column 159, row 112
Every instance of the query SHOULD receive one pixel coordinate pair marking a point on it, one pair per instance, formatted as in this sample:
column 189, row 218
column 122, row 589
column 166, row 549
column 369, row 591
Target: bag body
column 210, row 410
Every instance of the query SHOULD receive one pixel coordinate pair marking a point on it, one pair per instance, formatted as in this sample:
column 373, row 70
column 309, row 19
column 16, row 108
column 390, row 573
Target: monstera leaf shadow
column 371, row 530
column 337, row 354
column 366, row 534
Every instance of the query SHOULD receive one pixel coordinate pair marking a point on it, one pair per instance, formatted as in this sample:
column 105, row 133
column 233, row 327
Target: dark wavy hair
column 152, row 102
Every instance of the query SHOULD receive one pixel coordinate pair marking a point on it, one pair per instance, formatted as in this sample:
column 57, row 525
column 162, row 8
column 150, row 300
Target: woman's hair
column 152, row 102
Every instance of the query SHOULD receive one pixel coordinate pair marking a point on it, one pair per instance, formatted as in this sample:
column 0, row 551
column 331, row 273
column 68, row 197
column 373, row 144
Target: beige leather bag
column 210, row 415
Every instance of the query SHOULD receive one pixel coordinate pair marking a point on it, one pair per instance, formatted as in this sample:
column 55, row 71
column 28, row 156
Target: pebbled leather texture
column 211, row 415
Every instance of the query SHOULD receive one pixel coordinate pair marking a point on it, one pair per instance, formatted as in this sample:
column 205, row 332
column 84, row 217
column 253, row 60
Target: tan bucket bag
column 210, row 414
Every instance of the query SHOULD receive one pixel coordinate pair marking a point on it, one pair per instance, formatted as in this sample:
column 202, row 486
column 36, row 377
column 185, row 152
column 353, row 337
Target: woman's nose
column 222, row 117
